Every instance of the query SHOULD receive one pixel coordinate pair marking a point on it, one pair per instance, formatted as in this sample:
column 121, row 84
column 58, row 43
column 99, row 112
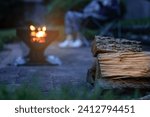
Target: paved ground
column 71, row 72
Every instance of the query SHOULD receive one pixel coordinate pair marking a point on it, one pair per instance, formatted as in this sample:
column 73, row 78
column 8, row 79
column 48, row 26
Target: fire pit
column 37, row 38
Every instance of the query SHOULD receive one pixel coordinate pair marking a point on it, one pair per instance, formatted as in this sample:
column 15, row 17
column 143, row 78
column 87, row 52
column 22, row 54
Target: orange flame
column 32, row 28
column 38, row 35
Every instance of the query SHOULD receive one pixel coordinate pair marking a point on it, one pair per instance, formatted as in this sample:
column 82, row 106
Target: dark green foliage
column 60, row 6
column 7, row 36
column 134, row 22
column 26, row 92
column 67, row 93
column 123, row 8
column 1, row 45
column 90, row 33
column 130, row 23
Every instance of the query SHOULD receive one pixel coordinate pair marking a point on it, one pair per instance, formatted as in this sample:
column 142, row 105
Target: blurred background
column 134, row 23
column 12, row 11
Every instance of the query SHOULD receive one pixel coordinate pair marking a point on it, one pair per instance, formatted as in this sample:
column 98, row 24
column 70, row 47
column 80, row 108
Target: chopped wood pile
column 120, row 60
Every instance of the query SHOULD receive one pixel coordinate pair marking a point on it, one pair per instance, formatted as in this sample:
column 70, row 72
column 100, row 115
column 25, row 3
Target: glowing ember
column 38, row 34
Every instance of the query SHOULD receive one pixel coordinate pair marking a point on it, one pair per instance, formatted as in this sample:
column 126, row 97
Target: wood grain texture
column 112, row 45
column 121, row 58
column 125, row 65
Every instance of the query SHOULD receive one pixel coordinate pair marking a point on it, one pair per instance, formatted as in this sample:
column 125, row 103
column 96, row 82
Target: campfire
column 37, row 39
column 38, row 34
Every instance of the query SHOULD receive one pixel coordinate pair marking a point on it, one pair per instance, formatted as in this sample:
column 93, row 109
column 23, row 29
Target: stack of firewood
column 119, row 59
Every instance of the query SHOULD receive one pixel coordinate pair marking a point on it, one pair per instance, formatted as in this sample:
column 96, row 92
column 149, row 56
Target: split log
column 112, row 45
column 121, row 63
column 125, row 65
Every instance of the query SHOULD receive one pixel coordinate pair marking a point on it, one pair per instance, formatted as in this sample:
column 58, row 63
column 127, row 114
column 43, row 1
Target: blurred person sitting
column 99, row 9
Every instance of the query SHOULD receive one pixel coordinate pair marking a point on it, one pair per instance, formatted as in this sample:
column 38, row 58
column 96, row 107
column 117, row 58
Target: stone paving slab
column 73, row 70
